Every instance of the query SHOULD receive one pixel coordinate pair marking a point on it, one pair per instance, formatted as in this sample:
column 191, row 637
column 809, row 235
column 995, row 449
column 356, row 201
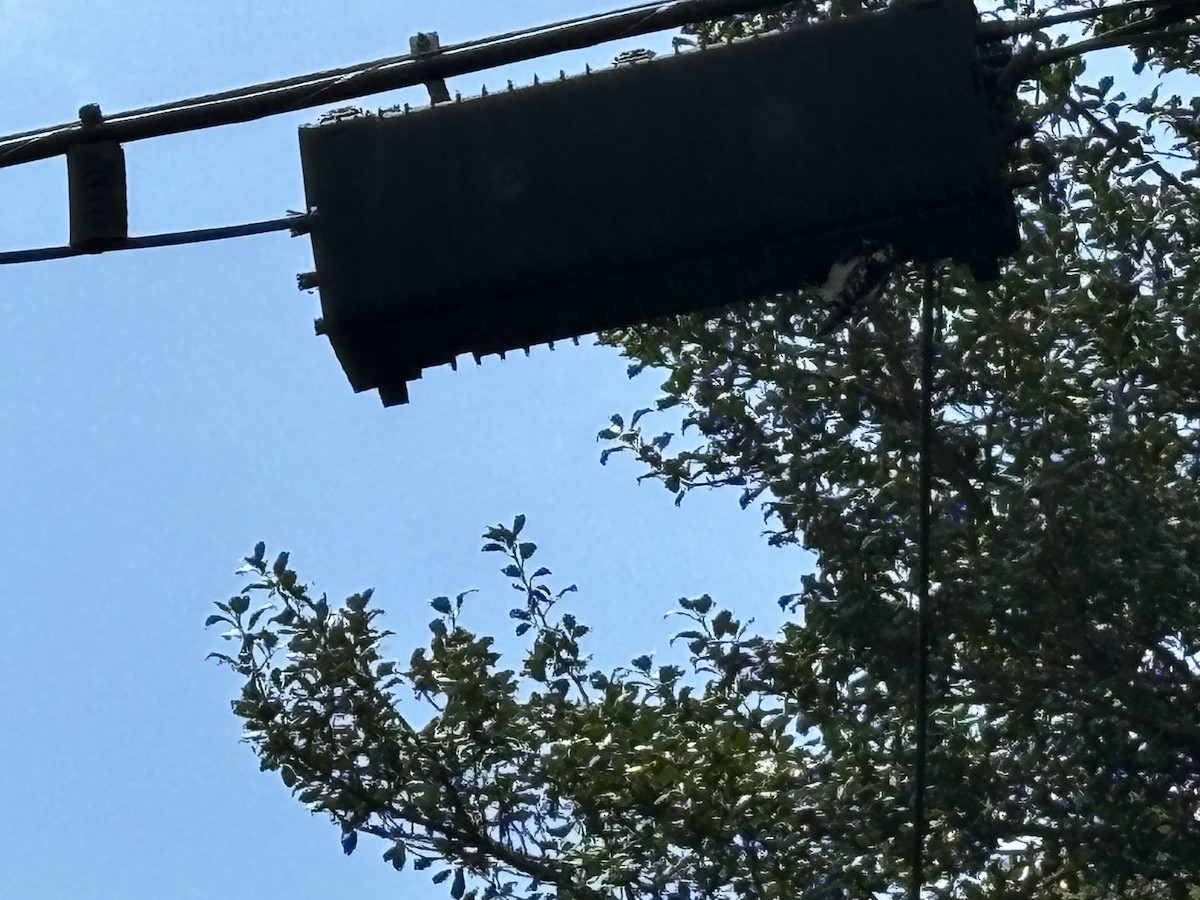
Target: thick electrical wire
column 342, row 72
column 925, row 503
column 296, row 224
column 1161, row 9
column 408, row 70
column 340, row 85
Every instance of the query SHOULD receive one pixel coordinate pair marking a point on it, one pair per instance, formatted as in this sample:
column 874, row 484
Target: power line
column 924, row 514
column 392, row 73
column 339, row 85
column 297, row 224
column 1163, row 11
column 342, row 72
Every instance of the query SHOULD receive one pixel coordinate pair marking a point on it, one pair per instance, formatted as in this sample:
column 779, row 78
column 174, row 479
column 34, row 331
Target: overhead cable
column 340, row 85
column 297, row 224
column 924, row 515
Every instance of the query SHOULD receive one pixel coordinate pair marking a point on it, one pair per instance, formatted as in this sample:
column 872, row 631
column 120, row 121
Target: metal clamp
column 96, row 188
column 426, row 43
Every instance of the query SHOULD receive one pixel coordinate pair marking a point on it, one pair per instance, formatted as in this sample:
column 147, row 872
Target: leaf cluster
column 1065, row 658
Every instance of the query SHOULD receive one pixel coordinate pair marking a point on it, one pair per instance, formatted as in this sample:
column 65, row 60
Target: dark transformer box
column 654, row 188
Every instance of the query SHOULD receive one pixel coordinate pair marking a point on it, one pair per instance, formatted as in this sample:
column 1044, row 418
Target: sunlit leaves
column 1067, row 437
column 1066, row 542
column 396, row 855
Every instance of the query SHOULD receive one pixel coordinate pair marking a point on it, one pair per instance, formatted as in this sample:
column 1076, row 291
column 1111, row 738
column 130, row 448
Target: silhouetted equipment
column 96, row 190
column 653, row 188
column 425, row 44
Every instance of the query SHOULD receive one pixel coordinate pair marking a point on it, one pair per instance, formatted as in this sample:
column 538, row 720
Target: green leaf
column 701, row 604
column 396, row 855
column 499, row 533
column 239, row 604
column 723, row 623
column 459, row 887
column 286, row 616
column 215, row 618
column 526, row 550
column 606, row 453
column 540, row 573
column 441, row 604
column 256, row 560
column 280, row 566
column 518, row 524
column 422, row 862
column 643, row 664
column 512, row 571
column 441, row 876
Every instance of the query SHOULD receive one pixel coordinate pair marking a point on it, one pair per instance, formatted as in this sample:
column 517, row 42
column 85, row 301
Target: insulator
column 96, row 188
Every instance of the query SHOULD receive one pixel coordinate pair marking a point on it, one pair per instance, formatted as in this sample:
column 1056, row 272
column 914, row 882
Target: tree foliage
column 1066, row 536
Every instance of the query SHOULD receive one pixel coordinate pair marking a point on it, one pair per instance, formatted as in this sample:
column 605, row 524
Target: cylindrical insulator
column 96, row 185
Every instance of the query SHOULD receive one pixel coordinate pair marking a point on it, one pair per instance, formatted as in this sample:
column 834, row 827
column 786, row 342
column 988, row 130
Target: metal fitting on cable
column 96, row 188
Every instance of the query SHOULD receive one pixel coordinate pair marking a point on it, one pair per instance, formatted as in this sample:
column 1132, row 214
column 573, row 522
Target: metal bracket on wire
column 426, row 43
column 353, row 82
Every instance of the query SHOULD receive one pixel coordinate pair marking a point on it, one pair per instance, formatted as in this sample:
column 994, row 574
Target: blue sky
column 164, row 409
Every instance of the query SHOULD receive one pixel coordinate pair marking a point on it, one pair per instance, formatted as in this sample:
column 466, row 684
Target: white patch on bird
column 839, row 277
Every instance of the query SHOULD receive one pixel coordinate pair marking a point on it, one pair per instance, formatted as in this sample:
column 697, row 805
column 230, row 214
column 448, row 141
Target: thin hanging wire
column 297, row 224
column 925, row 490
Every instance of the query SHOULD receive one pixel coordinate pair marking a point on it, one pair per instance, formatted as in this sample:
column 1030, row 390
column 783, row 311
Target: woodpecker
column 852, row 280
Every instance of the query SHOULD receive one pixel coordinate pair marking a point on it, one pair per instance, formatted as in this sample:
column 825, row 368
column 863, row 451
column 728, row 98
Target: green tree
column 1065, row 658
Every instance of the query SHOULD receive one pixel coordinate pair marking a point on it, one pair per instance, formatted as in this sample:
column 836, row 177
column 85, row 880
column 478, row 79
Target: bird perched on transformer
column 855, row 279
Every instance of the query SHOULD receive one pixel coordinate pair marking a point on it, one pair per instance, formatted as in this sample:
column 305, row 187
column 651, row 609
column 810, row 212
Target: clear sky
column 164, row 409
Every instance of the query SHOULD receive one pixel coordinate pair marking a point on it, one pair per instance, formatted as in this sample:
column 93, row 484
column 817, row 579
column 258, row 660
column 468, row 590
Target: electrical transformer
column 658, row 186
